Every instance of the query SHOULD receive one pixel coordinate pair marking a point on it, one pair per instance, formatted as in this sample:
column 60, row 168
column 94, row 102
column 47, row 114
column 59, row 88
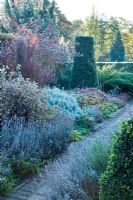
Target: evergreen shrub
column 116, row 182
column 117, row 52
column 60, row 99
column 84, row 70
column 22, row 98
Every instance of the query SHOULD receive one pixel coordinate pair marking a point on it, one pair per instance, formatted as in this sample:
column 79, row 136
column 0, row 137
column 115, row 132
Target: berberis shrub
column 35, row 45
column 117, row 181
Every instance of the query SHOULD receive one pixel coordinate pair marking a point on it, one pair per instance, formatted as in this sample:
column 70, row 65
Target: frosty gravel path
column 62, row 173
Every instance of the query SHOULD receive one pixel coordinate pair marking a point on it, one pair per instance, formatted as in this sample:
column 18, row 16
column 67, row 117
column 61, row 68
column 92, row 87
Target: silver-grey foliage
column 35, row 139
column 63, row 178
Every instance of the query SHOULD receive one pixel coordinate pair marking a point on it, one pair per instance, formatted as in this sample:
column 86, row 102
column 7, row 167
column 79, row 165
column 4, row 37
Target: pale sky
column 80, row 9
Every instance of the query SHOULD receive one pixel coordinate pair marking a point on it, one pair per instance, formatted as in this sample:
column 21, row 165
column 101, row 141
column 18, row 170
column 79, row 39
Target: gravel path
column 51, row 179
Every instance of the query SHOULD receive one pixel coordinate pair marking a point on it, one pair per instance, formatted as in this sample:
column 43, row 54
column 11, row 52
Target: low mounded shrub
column 25, row 167
column 86, row 122
column 62, row 100
column 90, row 96
column 99, row 155
column 48, row 138
column 111, row 78
column 126, row 66
column 96, row 113
column 75, row 136
column 107, row 108
column 22, row 98
column 116, row 182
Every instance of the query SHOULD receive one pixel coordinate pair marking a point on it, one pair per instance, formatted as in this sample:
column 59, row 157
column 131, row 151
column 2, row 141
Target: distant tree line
column 108, row 32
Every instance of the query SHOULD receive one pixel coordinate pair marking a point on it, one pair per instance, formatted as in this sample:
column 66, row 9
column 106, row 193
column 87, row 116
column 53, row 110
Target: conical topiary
column 117, row 52
column 84, row 70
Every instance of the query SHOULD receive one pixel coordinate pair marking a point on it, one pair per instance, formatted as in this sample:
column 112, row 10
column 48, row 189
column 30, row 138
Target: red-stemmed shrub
column 36, row 47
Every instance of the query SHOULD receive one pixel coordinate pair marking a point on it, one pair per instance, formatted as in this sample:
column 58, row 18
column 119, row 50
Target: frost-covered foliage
column 36, row 46
column 30, row 131
column 63, row 101
column 22, row 98
column 98, row 103
column 90, row 96
column 75, row 174
column 35, row 139
column 28, row 122
column 94, row 112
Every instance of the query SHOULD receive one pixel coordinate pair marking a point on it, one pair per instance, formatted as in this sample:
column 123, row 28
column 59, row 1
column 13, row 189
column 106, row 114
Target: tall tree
column 44, row 10
column 91, row 24
column 117, row 52
column 102, row 40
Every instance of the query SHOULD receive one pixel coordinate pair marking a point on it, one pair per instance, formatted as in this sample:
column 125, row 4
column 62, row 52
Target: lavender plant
column 48, row 138
column 18, row 139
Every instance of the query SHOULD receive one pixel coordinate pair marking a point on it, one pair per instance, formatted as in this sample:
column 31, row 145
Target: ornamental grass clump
column 116, row 182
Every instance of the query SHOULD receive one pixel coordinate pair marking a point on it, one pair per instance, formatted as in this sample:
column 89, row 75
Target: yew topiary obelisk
column 84, row 70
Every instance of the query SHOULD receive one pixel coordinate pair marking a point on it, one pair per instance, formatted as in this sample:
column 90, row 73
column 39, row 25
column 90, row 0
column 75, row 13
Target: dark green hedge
column 84, row 70
column 117, row 181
